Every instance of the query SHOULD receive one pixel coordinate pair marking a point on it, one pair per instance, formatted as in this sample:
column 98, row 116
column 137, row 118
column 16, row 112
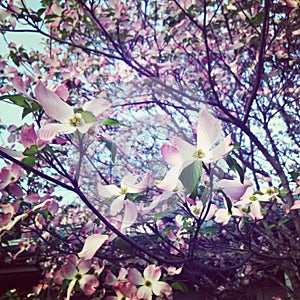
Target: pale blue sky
column 11, row 114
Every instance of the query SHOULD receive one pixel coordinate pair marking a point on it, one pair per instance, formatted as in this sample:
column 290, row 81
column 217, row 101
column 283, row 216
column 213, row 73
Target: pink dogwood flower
column 129, row 185
column 199, row 210
column 76, row 271
column 124, row 289
column 59, row 110
column 181, row 154
column 149, row 283
column 9, row 175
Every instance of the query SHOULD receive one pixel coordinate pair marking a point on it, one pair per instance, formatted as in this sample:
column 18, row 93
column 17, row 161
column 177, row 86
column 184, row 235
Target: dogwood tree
column 160, row 147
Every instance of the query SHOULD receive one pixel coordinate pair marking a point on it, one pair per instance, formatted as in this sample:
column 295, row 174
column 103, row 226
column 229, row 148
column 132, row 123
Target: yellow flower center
column 123, row 191
column 76, row 120
column 271, row 191
column 253, row 198
column 196, row 211
column 147, row 283
column 78, row 276
column 198, row 154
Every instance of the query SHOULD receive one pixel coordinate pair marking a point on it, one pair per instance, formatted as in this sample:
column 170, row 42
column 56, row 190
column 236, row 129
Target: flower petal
column 161, row 288
column 234, row 189
column 296, row 205
column 117, row 205
column 70, row 288
column 91, row 245
column 129, row 182
column 209, row 130
column 187, row 151
column 170, row 182
column 107, row 191
column 97, row 106
column 49, row 131
column 88, row 283
column 144, row 293
column 171, row 154
column 52, row 104
column 135, row 277
column 220, row 151
column 152, row 273
column 84, row 266
column 130, row 214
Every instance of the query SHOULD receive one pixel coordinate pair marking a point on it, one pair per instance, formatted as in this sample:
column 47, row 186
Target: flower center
column 253, row 198
column 196, row 211
column 271, row 191
column 147, row 283
column 76, row 120
column 78, row 276
column 123, row 191
column 198, row 154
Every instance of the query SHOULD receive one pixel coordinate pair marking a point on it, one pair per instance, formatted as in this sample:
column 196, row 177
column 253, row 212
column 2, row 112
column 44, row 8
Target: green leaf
column 234, row 166
column 112, row 148
column 283, row 192
column 111, row 122
column 228, row 202
column 31, row 151
column 29, row 161
column 27, row 103
column 179, row 286
column 88, row 117
column 160, row 215
column 190, row 176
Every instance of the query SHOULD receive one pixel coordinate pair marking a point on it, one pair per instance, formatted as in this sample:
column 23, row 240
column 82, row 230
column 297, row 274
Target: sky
column 10, row 114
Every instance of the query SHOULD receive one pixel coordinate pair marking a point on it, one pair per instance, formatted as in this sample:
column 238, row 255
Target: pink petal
column 186, row 149
column 117, row 205
column 70, row 288
column 130, row 214
column 233, row 189
column 19, row 84
column 171, row 154
column 49, row 131
column 161, row 288
column 84, row 128
column 135, row 277
column 129, row 182
column 169, row 183
column 209, row 130
column 84, row 266
column 52, row 104
column 297, row 191
column 220, row 151
column 91, row 245
column 97, row 106
column 144, row 293
column 107, row 191
column 69, row 270
column 212, row 209
column 27, row 136
column 296, row 205
column 222, row 216
column 152, row 273
column 88, row 283
column 63, row 92
column 255, row 210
